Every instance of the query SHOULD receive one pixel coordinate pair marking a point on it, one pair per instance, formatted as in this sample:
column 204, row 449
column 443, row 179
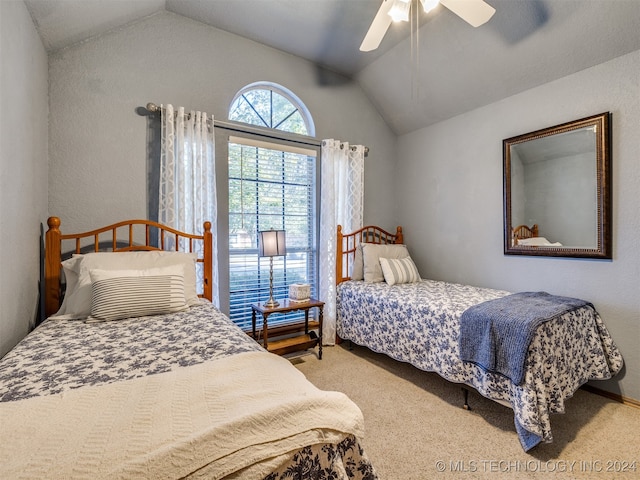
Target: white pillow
column 97, row 274
column 71, row 283
column 118, row 294
column 357, row 269
column 399, row 270
column 77, row 301
column 371, row 254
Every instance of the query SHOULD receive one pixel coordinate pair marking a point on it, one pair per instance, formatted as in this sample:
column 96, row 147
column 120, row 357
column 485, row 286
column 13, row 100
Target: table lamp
column 271, row 244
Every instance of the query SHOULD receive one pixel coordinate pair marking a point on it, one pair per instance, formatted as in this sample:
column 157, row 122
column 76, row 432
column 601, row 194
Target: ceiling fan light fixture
column 429, row 5
column 399, row 12
column 474, row 12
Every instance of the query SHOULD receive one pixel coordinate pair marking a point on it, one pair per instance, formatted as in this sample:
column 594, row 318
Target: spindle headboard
column 524, row 231
column 347, row 243
column 125, row 236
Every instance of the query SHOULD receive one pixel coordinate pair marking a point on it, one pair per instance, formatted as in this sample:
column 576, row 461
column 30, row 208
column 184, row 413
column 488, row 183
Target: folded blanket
column 217, row 417
column 496, row 334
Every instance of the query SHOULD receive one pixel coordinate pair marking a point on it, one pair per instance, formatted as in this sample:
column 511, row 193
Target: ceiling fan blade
column 474, row 12
column 378, row 28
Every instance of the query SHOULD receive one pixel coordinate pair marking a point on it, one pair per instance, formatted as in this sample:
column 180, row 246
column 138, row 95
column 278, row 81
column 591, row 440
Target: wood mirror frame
column 590, row 137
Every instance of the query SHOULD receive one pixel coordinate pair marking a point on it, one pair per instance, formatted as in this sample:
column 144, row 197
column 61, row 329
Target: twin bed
column 528, row 236
column 424, row 322
column 135, row 374
column 150, row 380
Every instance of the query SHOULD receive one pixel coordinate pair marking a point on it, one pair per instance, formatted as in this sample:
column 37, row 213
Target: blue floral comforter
column 419, row 323
column 61, row 355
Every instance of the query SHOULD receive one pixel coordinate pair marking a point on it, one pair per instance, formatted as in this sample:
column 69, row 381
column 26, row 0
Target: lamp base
column 271, row 303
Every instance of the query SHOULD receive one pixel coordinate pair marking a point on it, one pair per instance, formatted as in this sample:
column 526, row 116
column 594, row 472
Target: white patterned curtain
column 187, row 176
column 341, row 203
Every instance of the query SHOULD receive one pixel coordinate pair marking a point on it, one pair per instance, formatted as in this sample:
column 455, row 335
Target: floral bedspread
column 61, row 355
column 419, row 323
column 66, row 354
column 329, row 461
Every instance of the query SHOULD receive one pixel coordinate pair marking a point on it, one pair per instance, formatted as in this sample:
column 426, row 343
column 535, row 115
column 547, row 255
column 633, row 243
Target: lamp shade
column 272, row 243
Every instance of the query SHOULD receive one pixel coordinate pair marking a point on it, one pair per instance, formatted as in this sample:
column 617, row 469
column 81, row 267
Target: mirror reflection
column 557, row 190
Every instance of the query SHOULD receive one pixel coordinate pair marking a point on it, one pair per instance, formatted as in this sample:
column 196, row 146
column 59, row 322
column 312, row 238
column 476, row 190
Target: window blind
column 271, row 186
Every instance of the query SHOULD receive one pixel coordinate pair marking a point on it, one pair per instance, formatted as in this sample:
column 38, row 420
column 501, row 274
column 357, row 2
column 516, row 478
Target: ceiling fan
column 474, row 12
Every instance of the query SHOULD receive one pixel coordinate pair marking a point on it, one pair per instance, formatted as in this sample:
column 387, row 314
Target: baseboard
column 632, row 402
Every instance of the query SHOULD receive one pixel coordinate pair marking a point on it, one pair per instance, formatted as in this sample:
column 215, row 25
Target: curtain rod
column 256, row 130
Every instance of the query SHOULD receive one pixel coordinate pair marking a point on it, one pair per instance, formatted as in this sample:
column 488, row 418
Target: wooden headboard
column 524, row 231
column 125, row 236
column 348, row 242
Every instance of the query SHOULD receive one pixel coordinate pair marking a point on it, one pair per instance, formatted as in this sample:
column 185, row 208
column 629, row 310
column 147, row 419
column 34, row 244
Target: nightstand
column 292, row 344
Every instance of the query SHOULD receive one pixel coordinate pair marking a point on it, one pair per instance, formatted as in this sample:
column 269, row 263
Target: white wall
column 23, row 169
column 98, row 151
column 449, row 188
column 99, row 144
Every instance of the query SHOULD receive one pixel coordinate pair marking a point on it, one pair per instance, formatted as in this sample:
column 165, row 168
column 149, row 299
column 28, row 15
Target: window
column 271, row 106
column 272, row 185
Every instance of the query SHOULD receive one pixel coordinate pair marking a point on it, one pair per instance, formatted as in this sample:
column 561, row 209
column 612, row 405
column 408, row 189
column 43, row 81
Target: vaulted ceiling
column 443, row 69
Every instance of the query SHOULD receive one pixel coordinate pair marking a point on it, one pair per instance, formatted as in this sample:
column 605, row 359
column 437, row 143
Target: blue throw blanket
column 496, row 334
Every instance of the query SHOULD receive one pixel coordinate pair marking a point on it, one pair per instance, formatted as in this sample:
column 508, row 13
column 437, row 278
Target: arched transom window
column 271, row 106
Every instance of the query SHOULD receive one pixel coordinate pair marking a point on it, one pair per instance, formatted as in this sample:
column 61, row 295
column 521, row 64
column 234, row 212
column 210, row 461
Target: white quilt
column 216, row 417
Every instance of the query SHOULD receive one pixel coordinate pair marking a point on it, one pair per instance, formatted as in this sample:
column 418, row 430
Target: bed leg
column 466, row 406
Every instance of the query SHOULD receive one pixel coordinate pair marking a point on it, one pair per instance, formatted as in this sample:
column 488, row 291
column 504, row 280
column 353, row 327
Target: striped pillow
column 371, row 254
column 135, row 295
column 399, row 270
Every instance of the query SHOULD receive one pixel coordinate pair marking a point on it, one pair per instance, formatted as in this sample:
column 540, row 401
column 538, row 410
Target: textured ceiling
column 454, row 68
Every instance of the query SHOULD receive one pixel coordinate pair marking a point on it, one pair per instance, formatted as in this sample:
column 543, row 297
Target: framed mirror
column 557, row 190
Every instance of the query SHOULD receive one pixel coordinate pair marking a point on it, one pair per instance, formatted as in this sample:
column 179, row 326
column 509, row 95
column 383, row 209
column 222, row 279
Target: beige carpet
column 416, row 428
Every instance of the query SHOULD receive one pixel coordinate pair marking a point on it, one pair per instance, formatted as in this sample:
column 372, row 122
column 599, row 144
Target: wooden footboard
column 347, row 243
column 126, row 236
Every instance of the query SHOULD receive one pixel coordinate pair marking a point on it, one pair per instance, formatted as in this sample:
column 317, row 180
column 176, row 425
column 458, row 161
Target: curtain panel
column 187, row 176
column 341, row 203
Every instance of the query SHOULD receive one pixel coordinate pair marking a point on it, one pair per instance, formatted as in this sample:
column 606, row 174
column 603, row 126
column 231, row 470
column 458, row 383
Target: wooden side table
column 300, row 342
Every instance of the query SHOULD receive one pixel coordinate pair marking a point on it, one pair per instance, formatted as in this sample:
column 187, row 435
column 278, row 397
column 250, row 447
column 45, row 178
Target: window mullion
column 271, row 107
column 286, row 118
column 256, row 111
